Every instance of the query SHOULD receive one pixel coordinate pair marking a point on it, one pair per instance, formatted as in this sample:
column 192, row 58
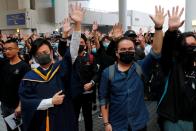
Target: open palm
column 117, row 30
column 77, row 13
column 66, row 25
column 95, row 26
column 159, row 17
column 174, row 18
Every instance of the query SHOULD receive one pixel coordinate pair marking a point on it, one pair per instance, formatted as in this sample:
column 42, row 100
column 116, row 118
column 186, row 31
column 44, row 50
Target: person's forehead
column 106, row 39
column 126, row 44
column 93, row 45
column 11, row 44
column 43, row 48
column 190, row 40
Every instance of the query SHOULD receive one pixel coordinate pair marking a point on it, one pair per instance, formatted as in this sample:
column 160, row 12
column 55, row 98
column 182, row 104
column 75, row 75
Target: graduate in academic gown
column 45, row 92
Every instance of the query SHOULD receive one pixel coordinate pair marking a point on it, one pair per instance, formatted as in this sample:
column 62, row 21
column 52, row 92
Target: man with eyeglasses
column 121, row 93
column 12, row 70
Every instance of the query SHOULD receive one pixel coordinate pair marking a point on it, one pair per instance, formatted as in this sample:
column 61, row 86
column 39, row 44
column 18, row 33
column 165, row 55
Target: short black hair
column 130, row 33
column 1, row 41
column 83, row 36
column 106, row 37
column 13, row 40
column 37, row 44
column 188, row 34
column 121, row 39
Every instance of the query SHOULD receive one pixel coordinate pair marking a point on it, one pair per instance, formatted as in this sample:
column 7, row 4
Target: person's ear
column 18, row 49
column 51, row 54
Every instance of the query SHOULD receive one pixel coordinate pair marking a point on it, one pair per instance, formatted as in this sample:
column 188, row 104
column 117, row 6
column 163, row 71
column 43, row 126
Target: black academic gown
column 38, row 85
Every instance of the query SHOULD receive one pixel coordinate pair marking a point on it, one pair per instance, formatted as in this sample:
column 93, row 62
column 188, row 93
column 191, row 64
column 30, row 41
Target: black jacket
column 83, row 72
column 178, row 102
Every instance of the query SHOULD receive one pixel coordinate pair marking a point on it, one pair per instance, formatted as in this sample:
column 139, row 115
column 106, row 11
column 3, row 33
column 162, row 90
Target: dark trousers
column 6, row 111
column 143, row 129
column 84, row 101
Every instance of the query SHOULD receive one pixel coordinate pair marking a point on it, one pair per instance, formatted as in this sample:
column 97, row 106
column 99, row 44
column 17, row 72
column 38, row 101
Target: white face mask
column 106, row 44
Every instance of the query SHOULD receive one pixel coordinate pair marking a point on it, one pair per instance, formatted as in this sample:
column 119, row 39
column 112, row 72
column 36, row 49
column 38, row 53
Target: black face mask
column 44, row 59
column 81, row 48
column 127, row 57
column 189, row 56
column 190, row 50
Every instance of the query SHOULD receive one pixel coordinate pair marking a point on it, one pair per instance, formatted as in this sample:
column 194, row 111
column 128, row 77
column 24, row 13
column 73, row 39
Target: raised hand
column 117, row 30
column 159, row 17
column 95, row 26
column 77, row 13
column 66, row 25
column 174, row 18
column 25, row 37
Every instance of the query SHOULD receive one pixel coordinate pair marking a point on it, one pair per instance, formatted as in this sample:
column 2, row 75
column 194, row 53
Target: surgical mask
column 106, row 44
column 22, row 43
column 44, row 59
column 94, row 50
column 1, row 54
column 127, row 57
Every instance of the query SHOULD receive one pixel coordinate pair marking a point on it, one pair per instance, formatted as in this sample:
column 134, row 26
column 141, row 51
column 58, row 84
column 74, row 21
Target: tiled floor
column 152, row 125
column 98, row 124
column 2, row 124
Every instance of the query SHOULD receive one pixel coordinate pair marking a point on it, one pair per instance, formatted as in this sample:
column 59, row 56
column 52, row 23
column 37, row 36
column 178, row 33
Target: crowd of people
column 46, row 80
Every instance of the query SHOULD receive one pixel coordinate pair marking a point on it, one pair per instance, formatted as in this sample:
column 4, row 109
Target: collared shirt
column 125, row 96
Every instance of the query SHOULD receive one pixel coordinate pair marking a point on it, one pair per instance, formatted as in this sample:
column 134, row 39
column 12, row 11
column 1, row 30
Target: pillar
column 123, row 13
column 190, row 15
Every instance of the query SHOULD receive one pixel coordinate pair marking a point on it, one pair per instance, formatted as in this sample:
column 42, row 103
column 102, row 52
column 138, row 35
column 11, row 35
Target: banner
column 16, row 19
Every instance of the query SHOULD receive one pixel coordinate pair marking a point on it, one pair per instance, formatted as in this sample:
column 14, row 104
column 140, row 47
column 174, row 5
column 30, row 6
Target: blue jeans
column 178, row 126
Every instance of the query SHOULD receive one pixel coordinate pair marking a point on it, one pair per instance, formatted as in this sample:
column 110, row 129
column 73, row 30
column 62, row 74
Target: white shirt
column 147, row 49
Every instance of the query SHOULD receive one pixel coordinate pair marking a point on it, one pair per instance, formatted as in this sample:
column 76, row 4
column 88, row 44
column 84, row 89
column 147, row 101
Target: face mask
column 22, row 43
column 127, row 57
column 81, row 48
column 106, row 44
column 190, row 56
column 1, row 54
column 190, row 50
column 44, row 59
column 94, row 50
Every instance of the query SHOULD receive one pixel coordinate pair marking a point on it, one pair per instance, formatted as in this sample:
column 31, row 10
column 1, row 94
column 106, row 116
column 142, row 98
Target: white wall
column 61, row 10
column 103, row 18
column 45, row 16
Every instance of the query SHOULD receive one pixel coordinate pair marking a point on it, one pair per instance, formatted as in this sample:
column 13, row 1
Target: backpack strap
column 111, row 72
column 139, row 71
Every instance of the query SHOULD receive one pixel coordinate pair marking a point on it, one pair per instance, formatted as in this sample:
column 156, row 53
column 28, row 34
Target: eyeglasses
column 8, row 49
